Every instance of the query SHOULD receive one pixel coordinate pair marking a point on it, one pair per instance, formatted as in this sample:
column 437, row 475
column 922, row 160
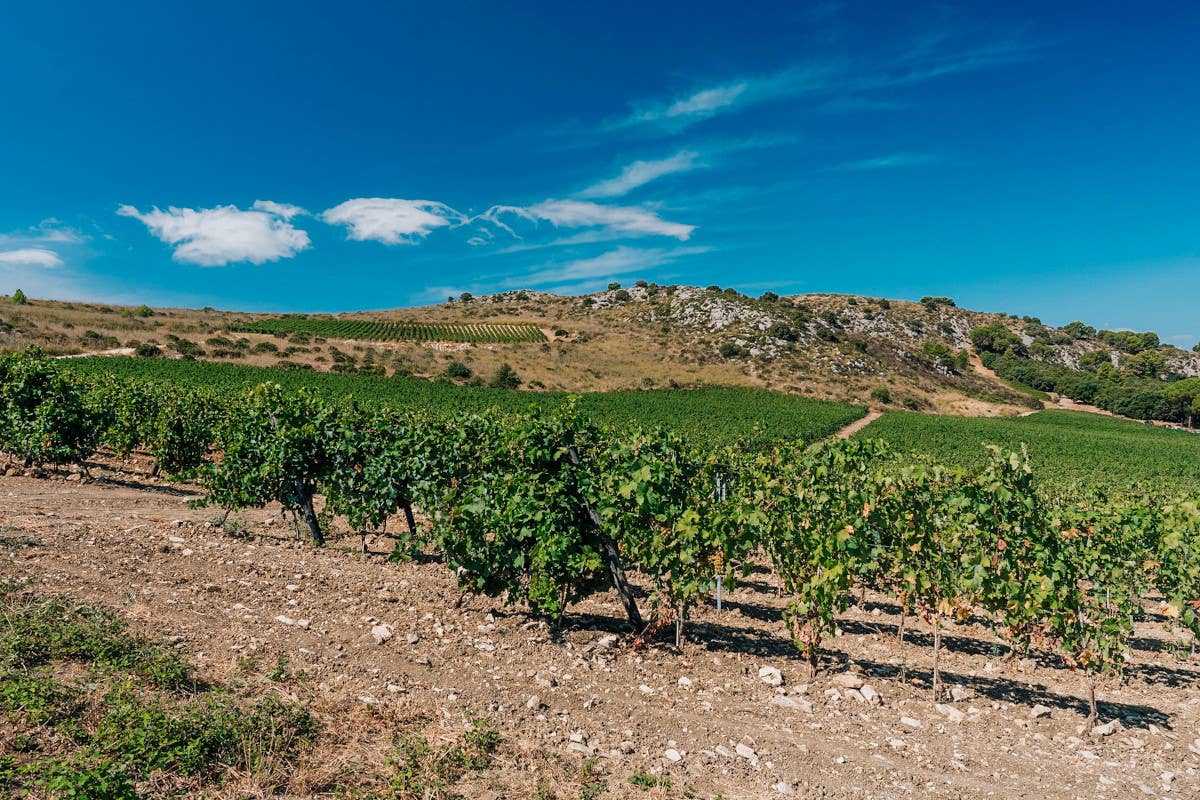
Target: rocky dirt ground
column 732, row 714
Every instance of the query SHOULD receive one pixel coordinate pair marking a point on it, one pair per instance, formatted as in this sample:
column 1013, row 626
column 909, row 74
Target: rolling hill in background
column 870, row 351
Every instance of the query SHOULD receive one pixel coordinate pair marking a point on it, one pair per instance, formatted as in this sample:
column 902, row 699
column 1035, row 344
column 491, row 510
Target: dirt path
column 859, row 424
column 681, row 715
column 1057, row 401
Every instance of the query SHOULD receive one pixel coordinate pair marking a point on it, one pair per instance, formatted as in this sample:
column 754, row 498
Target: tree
column 466, row 297
column 1145, row 364
column 1196, row 347
column 1078, row 330
column 612, row 287
column 19, row 298
column 940, row 353
column 996, row 338
column 1184, row 397
column 505, row 378
column 962, row 361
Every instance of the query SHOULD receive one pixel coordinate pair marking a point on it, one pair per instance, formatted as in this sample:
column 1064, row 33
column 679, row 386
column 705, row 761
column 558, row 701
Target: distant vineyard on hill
column 381, row 331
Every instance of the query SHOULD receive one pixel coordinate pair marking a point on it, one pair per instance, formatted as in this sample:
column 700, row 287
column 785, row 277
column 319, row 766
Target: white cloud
column 621, row 261
column 392, row 220
column 627, row 220
column 283, row 210
column 222, row 235
column 30, row 257
column 639, row 173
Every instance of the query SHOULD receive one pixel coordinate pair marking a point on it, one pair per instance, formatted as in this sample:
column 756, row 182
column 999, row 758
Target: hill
column 886, row 353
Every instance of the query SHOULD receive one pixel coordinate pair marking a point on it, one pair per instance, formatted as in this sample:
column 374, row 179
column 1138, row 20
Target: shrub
column 769, row 297
column 881, row 394
column 732, row 350
column 932, row 303
column 505, row 378
column 144, row 311
column 19, row 298
column 622, row 296
column 148, row 350
column 426, row 771
column 781, row 330
column 612, row 287
column 458, row 371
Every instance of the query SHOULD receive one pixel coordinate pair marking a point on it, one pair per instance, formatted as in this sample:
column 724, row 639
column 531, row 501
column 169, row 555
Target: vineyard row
column 380, row 331
column 544, row 509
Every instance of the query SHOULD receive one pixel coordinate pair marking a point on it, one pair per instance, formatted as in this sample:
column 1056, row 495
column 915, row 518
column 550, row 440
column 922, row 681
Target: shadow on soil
column 739, row 638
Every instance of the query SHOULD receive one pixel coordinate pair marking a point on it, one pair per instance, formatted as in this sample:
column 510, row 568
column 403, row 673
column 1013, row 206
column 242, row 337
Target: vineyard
column 1066, row 447
column 544, row 509
column 385, row 331
column 715, row 416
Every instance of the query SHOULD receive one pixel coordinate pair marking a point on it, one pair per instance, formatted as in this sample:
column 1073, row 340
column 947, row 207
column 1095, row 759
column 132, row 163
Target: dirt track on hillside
column 138, row 547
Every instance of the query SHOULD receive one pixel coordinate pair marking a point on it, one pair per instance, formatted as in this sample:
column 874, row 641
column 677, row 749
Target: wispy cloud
column 626, row 220
column 639, row 173
column 48, row 230
column 707, row 102
column 613, row 264
column 893, row 161
column 842, row 83
column 30, row 257
column 213, row 237
column 392, row 220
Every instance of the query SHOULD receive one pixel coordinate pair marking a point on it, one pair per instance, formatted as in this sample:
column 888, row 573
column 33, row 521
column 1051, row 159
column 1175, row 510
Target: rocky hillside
column 868, row 350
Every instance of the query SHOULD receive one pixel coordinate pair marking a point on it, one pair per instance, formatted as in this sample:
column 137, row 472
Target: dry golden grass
column 601, row 347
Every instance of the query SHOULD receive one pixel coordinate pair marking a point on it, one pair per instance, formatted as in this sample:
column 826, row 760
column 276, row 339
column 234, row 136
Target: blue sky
column 298, row 156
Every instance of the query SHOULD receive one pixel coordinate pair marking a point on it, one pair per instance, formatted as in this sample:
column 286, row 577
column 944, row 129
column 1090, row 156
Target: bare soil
column 134, row 544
